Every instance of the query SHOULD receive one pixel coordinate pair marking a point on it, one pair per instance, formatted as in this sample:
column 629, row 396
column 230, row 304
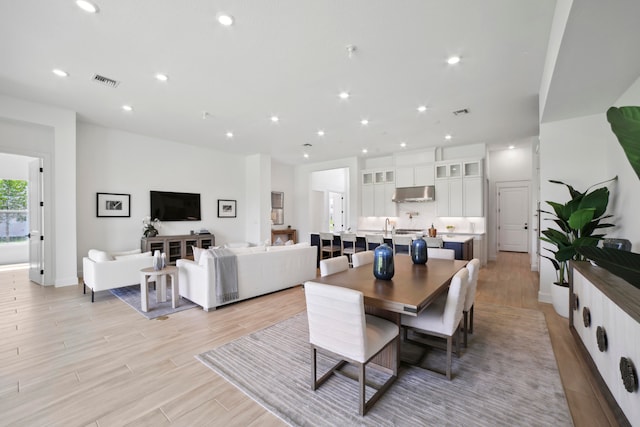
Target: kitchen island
column 461, row 244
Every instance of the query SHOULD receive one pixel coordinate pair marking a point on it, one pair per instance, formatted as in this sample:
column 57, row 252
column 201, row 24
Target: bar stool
column 351, row 248
column 327, row 246
column 373, row 239
column 402, row 240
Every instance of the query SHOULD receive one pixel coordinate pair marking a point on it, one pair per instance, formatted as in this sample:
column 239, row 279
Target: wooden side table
column 289, row 233
column 160, row 277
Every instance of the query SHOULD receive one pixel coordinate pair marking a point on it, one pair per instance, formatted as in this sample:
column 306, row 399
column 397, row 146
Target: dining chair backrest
column 362, row 258
column 452, row 314
column 473, row 266
column 348, row 237
column 373, row 239
column 434, row 242
column 336, row 319
column 441, row 253
column 333, row 265
column 402, row 240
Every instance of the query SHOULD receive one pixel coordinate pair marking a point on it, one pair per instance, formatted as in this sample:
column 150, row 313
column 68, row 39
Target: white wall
column 576, row 151
column 506, row 166
column 114, row 161
column 38, row 130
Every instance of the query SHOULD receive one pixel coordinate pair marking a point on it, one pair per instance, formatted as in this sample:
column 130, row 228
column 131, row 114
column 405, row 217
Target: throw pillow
column 99, row 256
column 237, row 245
column 197, row 253
column 129, row 256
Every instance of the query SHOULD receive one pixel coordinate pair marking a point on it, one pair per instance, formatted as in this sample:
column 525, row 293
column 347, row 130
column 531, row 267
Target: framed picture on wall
column 226, row 208
column 113, row 205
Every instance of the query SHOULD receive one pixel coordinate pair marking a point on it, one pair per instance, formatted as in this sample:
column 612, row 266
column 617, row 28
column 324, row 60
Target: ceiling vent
column 461, row 112
column 105, row 80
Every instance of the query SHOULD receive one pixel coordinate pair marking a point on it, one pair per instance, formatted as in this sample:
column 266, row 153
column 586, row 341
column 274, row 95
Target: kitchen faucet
column 386, row 222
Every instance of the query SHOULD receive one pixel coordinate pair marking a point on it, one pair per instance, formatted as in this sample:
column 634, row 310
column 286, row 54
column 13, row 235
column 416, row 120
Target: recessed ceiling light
column 403, row 144
column 453, row 60
column 364, row 122
column 225, row 19
column 275, row 119
column 306, row 156
column 162, row 77
column 127, row 108
column 87, row 6
column 422, row 108
column 344, row 95
column 447, row 137
column 60, row 73
column 321, row 133
column 364, row 151
column 511, row 147
column 229, row 134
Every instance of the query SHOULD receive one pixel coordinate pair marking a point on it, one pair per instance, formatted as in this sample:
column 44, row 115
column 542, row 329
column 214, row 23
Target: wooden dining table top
column 412, row 288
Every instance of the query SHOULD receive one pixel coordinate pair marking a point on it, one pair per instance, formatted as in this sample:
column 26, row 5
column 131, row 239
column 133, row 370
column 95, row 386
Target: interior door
column 513, row 211
column 36, row 236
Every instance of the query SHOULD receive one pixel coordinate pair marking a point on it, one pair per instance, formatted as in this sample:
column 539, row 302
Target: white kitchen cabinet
column 459, row 188
column 414, row 176
column 376, row 191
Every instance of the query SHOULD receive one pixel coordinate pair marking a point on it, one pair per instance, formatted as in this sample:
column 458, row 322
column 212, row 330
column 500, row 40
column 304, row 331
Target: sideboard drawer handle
column 576, row 302
column 629, row 376
column 601, row 338
column 586, row 317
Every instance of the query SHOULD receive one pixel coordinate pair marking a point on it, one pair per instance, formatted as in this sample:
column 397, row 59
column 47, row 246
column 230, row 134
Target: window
column 14, row 224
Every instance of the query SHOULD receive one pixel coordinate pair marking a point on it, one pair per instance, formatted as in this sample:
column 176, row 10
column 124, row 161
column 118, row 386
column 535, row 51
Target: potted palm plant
column 577, row 222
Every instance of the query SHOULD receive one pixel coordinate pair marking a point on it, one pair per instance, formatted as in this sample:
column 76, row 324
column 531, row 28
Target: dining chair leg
column 313, row 369
column 471, row 320
column 449, row 345
column 465, row 326
column 457, row 334
column 361, row 368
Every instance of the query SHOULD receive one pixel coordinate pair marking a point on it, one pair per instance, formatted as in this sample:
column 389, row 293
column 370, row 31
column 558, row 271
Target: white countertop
column 454, row 238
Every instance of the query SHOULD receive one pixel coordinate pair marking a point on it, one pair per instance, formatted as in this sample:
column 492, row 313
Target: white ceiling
column 289, row 58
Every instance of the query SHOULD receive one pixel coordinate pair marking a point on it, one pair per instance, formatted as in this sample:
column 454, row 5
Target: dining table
column 411, row 289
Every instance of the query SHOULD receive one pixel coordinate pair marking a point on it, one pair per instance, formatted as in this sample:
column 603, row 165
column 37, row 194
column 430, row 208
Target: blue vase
column 419, row 251
column 383, row 262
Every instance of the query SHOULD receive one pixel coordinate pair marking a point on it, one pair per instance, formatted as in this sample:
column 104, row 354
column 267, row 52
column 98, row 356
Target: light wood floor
column 67, row 362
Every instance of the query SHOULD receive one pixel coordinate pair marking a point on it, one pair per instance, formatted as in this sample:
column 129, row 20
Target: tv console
column 177, row 247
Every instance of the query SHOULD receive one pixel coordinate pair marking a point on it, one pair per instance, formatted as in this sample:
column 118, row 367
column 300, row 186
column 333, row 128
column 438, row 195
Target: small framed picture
column 226, row 208
column 113, row 205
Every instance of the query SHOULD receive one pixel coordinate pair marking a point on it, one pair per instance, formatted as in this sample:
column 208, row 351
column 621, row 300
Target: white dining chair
column 327, row 246
column 333, row 265
column 472, row 286
column 402, row 244
column 362, row 258
column 441, row 253
column 339, row 326
column 443, row 317
column 373, row 239
column 348, row 245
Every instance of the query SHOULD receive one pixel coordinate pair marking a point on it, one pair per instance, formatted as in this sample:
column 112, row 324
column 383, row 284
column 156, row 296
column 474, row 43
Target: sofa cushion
column 131, row 252
column 197, row 252
column 99, row 256
column 249, row 250
column 129, row 256
column 237, row 245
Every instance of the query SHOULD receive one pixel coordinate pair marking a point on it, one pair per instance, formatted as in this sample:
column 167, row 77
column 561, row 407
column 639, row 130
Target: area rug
column 131, row 295
column 507, row 376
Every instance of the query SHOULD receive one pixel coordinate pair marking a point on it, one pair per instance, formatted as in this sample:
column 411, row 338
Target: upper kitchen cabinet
column 459, row 188
column 414, row 176
column 376, row 190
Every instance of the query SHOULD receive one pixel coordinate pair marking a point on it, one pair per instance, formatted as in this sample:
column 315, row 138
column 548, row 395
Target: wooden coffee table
column 160, row 277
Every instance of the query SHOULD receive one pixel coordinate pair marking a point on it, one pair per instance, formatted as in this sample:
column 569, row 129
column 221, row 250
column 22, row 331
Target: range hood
column 414, row 194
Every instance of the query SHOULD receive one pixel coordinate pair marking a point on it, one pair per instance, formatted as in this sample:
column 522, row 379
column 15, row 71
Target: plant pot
column 560, row 299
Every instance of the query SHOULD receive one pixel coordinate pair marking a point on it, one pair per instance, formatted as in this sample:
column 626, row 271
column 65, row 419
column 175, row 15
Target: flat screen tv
column 168, row 206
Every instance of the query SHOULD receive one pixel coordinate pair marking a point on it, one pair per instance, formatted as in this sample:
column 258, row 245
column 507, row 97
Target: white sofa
column 260, row 271
column 102, row 270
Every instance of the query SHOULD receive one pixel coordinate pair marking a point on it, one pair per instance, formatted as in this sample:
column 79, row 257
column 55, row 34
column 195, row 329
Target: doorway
column 513, row 216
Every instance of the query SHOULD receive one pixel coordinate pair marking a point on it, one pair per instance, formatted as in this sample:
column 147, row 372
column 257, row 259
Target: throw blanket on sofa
column 226, row 275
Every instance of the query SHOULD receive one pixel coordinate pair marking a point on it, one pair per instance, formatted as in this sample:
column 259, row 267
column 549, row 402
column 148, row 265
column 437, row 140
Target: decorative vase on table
column 157, row 260
column 419, row 251
column 383, row 262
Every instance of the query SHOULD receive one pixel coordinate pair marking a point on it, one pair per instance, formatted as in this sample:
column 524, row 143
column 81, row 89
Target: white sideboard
column 605, row 320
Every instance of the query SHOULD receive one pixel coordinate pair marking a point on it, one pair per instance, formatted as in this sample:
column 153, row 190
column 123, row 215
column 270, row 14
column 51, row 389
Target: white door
column 513, row 211
column 336, row 211
column 36, row 242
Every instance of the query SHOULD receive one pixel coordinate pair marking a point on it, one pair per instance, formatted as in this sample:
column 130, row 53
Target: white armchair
column 102, row 270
